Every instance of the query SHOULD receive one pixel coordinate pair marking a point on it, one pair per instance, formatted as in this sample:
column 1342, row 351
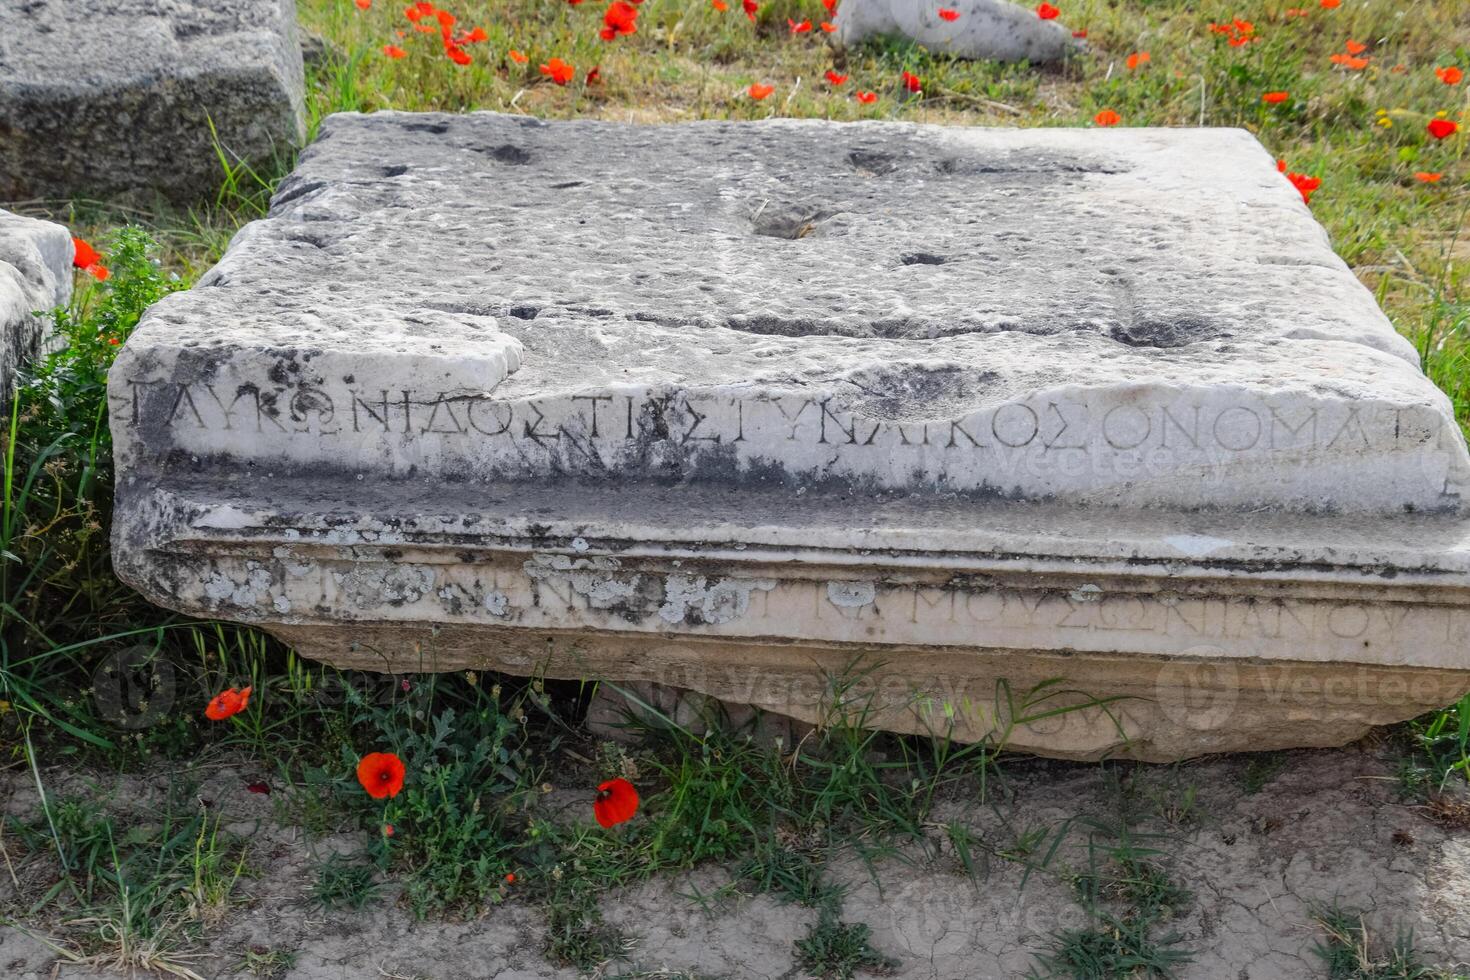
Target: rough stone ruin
column 104, row 98
column 35, row 277
column 739, row 408
column 993, row 30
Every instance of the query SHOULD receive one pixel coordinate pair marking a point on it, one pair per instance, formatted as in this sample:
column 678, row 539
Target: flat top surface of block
column 1142, row 240
column 1125, row 316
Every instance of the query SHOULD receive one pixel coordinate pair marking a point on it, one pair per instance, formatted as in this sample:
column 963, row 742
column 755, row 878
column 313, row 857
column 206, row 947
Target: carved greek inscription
column 604, row 425
column 600, row 593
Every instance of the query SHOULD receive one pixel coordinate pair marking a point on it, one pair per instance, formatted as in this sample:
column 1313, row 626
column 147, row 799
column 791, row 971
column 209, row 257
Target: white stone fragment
column 35, row 278
column 992, row 30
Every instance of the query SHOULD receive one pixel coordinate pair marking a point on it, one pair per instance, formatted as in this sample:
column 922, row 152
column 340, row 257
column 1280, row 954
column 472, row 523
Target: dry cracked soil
column 1261, row 843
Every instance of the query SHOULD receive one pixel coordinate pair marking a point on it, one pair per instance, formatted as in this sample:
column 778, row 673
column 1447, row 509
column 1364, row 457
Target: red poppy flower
column 83, row 254
column 1355, row 47
column 827, row 26
column 1304, row 185
column 835, row 79
column 1136, row 59
column 387, row 830
column 363, row 4
column 758, row 91
column 831, row 6
column 1275, row 98
column 619, row 19
column 381, row 774
column 866, row 98
column 510, row 878
column 719, row 5
column 394, row 51
column 750, row 7
column 912, row 82
column 948, row 13
column 473, row 37
column 1047, row 12
column 1442, row 128
column 615, row 803
column 594, row 75
column 1428, row 178
column 517, row 57
column 227, row 703
column 457, row 54
column 558, row 71
column 1349, row 62
column 1080, row 34
column 1107, row 117
column 798, row 28
column 1450, row 75
column 1331, row 4
column 1238, row 32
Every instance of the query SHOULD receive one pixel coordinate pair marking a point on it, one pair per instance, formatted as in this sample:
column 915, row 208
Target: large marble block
column 35, row 278
column 734, row 406
column 101, row 98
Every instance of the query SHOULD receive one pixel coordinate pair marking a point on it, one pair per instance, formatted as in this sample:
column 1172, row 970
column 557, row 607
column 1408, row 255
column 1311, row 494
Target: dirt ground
column 1262, row 843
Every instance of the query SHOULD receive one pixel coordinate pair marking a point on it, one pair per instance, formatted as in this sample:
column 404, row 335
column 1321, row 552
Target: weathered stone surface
column 727, row 406
column 993, row 30
column 100, row 98
column 35, row 276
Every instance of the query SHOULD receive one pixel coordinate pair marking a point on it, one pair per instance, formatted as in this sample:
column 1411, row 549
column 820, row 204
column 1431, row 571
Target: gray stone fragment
column 102, row 98
column 35, row 277
column 317, row 51
column 992, row 30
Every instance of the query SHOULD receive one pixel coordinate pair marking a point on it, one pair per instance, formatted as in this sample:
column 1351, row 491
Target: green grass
column 1127, row 889
column 131, row 894
column 1348, row 952
column 59, row 600
column 344, row 883
column 837, row 950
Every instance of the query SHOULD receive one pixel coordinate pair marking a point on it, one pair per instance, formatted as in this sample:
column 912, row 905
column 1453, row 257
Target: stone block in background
column 752, row 409
column 993, row 30
column 108, row 98
column 35, row 277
